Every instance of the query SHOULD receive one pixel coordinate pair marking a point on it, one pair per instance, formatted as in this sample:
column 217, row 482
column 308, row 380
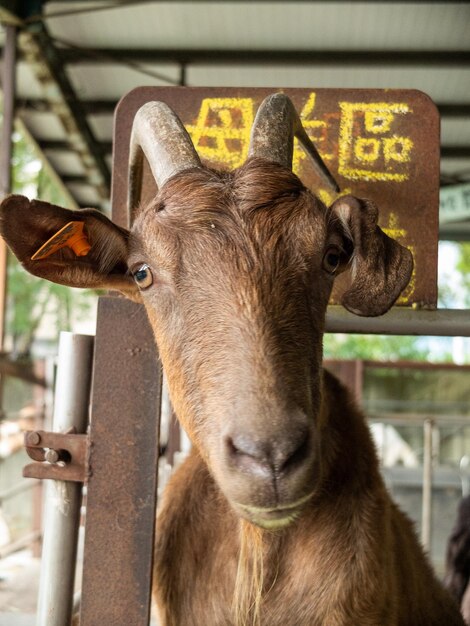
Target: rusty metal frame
column 122, row 484
column 60, row 456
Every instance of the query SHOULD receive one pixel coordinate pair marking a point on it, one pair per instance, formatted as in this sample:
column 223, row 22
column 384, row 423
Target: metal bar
column 416, row 419
column 90, row 107
column 20, row 369
column 9, row 90
column 116, row 3
column 454, row 109
column 19, row 544
column 105, row 147
column 455, row 231
column 119, row 535
column 74, row 179
column 401, row 321
column 414, row 365
column 63, row 499
column 107, row 107
column 455, row 152
column 426, row 524
column 431, row 58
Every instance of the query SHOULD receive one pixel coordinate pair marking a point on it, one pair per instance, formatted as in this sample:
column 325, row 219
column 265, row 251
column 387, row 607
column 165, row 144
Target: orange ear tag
column 71, row 235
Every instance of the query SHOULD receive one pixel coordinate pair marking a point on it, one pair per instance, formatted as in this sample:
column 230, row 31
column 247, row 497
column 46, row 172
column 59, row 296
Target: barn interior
column 65, row 67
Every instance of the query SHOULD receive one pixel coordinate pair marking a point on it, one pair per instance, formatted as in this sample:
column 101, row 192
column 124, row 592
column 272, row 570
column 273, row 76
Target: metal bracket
column 60, row 456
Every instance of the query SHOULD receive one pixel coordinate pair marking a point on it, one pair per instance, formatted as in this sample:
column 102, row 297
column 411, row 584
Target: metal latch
column 60, row 456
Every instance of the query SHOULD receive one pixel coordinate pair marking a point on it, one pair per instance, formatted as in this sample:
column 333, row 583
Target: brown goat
column 457, row 577
column 279, row 516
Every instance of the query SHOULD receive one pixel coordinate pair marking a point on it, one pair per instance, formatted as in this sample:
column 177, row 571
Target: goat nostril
column 248, row 456
column 243, row 446
column 295, row 458
column 231, row 447
column 252, row 455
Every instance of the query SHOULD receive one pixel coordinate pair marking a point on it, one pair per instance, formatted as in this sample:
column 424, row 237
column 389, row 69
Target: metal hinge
column 60, row 456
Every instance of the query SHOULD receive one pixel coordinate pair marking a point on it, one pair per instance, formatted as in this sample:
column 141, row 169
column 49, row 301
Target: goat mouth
column 274, row 518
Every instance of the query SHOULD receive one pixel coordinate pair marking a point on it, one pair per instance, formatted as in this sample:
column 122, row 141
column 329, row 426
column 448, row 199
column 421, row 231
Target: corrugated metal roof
column 258, row 25
column 92, row 43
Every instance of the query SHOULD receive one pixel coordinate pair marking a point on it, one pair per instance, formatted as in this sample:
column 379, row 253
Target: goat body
column 351, row 559
column 279, row 516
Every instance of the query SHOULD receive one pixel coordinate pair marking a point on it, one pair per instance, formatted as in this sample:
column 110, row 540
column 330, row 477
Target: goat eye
column 143, row 276
column 332, row 260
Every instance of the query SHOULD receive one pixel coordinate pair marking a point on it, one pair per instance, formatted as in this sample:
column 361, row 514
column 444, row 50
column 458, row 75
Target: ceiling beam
column 107, row 107
column 431, row 58
column 105, row 147
column 455, row 231
column 454, row 109
column 74, row 179
column 112, row 3
column 90, row 107
column 455, row 152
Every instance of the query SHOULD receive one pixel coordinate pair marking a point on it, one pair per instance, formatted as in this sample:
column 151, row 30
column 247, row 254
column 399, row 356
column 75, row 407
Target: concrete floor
column 19, row 579
column 19, row 582
column 17, row 619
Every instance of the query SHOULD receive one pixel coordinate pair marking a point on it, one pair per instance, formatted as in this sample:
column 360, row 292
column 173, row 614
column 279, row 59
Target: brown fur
column 237, row 304
column 352, row 558
column 458, row 559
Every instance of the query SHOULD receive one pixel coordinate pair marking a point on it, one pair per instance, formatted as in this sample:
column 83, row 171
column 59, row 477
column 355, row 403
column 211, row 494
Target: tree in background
column 377, row 348
column 463, row 266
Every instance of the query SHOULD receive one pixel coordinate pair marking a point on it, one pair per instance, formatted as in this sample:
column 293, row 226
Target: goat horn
column 158, row 133
column 272, row 136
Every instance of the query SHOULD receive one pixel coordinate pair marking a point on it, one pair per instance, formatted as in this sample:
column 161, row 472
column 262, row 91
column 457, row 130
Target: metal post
column 122, row 485
column 9, row 90
column 426, row 525
column 63, row 499
column 401, row 321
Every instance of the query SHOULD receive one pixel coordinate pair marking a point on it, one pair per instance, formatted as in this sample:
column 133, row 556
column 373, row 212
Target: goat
column 458, row 559
column 279, row 516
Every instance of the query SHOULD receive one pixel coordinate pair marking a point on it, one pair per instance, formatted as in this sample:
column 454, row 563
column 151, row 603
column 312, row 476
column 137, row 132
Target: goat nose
column 268, row 457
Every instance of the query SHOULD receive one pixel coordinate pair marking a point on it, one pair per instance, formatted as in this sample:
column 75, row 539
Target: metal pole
column 426, row 525
column 9, row 91
column 122, row 483
column 401, row 321
column 63, row 499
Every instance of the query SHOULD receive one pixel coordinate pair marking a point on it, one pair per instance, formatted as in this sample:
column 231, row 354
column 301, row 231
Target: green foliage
column 375, row 347
column 463, row 266
column 30, row 299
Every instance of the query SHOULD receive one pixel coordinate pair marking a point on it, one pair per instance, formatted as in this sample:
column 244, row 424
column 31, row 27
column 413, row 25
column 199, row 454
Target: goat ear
column 27, row 225
column 381, row 267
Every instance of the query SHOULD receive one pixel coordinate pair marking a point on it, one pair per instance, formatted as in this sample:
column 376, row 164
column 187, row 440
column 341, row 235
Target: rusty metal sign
column 378, row 144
